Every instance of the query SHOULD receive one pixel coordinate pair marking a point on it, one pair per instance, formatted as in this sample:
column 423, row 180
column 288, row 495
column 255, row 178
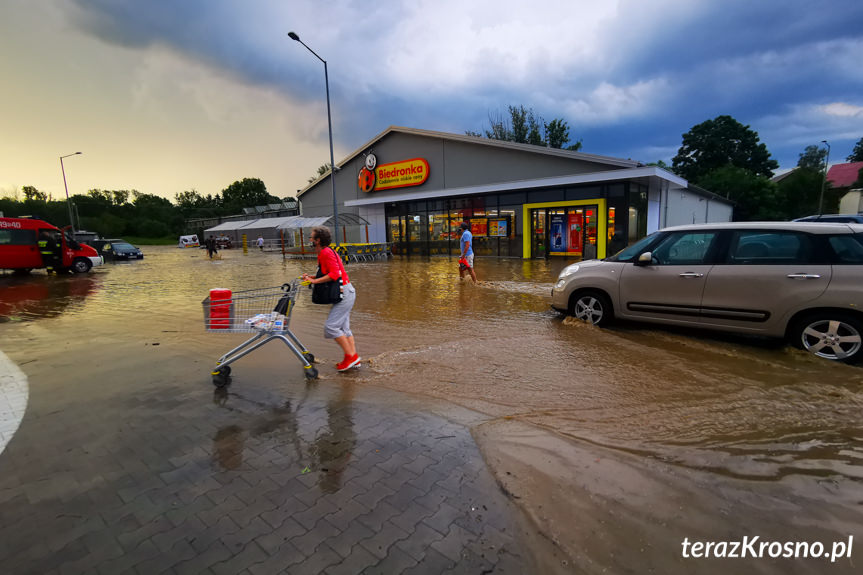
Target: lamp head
column 293, row 36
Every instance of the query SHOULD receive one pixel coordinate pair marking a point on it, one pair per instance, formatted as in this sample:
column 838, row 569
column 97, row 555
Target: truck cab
column 29, row 243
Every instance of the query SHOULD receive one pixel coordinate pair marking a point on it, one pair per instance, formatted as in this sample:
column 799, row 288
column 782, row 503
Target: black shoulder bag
column 327, row 292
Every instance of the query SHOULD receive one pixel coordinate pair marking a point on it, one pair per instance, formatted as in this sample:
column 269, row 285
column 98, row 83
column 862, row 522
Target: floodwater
column 617, row 443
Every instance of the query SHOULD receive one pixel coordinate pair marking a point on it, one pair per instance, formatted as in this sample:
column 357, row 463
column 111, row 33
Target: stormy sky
column 165, row 96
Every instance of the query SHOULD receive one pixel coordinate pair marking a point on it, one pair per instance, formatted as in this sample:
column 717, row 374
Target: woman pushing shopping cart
column 266, row 312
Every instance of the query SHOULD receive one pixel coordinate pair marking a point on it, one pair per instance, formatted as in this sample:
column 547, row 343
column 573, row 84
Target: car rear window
column 848, row 249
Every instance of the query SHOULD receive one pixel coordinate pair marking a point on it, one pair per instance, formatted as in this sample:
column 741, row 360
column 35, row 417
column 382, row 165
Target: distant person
column 465, row 262
column 260, row 243
column 210, row 243
column 338, row 324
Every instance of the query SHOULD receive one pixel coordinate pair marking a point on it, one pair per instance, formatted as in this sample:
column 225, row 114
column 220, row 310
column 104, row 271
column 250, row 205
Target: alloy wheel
column 831, row 339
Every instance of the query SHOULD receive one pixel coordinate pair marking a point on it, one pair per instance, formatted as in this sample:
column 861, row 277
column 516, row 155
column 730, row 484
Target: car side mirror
column 644, row 259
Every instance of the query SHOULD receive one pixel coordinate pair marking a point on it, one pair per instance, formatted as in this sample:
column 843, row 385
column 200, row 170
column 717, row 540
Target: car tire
column 81, row 266
column 591, row 307
column 834, row 336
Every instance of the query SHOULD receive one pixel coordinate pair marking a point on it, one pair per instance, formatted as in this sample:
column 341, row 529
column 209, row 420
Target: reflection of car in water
column 117, row 249
column 34, row 297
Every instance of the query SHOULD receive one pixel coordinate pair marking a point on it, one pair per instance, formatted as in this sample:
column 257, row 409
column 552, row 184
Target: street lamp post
column 824, row 180
column 68, row 204
column 293, row 36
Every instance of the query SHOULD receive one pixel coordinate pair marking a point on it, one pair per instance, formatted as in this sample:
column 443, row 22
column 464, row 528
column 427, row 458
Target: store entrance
column 565, row 231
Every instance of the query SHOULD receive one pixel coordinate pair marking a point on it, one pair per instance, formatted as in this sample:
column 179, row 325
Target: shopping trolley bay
column 264, row 312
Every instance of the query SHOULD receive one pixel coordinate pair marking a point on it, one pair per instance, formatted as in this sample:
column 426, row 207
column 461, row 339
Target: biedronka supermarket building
column 414, row 187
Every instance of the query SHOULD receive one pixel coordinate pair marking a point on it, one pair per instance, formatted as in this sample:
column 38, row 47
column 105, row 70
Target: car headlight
column 560, row 283
column 568, row 271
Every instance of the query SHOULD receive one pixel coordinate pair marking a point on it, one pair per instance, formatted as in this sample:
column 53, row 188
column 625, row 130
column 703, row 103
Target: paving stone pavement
column 330, row 477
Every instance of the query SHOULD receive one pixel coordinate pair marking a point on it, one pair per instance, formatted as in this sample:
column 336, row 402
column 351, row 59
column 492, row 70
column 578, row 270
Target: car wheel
column 81, row 266
column 834, row 336
column 591, row 307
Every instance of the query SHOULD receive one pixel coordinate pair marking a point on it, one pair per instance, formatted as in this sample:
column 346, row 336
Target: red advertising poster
column 575, row 225
column 479, row 227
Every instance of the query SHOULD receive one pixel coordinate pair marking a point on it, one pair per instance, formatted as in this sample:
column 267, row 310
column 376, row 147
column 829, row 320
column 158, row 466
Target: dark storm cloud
column 752, row 60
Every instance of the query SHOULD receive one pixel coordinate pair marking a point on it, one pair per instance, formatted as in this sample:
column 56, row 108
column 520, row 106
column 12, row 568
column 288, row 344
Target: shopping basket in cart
column 266, row 312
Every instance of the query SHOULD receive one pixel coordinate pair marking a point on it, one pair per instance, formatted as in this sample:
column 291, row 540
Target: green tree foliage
column 813, row 158
column 115, row 213
column 523, row 126
column 322, row 169
column 755, row 196
column 246, row 193
column 721, row 142
column 856, row 153
column 799, row 193
column 660, row 164
column 31, row 193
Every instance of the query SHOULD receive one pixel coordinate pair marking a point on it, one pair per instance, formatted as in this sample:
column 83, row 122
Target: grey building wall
column 452, row 164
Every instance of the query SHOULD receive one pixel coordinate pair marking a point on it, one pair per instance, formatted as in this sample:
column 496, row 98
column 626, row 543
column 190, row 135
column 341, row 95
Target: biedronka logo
column 395, row 175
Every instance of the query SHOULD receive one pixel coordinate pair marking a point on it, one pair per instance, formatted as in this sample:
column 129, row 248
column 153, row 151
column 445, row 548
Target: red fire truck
column 27, row 244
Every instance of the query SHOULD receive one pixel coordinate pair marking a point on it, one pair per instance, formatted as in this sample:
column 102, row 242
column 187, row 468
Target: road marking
column 13, row 399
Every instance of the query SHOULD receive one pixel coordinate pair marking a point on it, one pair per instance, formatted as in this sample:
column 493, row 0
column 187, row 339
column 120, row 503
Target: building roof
column 779, row 177
column 554, row 181
column 844, row 175
column 529, row 148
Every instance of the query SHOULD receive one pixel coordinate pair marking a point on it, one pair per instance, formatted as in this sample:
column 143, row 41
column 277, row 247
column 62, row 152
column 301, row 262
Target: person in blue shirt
column 466, row 259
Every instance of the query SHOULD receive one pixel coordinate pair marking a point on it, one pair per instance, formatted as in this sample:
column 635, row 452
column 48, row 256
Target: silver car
column 800, row 281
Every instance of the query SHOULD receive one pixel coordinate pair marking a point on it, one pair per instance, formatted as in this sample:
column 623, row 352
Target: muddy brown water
column 617, row 443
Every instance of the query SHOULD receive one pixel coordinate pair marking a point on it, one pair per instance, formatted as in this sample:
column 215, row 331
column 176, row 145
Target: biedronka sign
column 395, row 175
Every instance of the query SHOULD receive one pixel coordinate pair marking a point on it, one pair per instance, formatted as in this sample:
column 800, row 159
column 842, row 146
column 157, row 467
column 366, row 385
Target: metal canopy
column 295, row 222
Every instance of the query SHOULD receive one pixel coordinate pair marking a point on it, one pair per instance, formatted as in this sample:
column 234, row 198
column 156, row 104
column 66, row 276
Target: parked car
column 842, row 218
column 796, row 280
column 117, row 250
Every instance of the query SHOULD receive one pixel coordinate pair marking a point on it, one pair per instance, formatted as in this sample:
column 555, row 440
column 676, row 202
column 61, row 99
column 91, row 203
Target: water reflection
column 334, row 445
column 228, row 447
column 24, row 298
column 290, row 424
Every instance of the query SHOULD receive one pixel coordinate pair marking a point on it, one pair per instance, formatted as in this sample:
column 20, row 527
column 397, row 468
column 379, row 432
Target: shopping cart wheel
column 221, row 380
column 309, row 357
column 311, row 373
column 226, row 370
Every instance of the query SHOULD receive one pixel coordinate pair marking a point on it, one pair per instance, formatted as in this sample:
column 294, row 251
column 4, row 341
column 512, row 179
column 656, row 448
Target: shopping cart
column 266, row 312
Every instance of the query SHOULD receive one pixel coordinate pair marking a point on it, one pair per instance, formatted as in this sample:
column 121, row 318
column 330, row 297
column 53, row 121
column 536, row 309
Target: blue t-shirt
column 466, row 238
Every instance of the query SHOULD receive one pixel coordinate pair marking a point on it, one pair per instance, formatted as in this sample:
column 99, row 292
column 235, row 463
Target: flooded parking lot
column 617, row 443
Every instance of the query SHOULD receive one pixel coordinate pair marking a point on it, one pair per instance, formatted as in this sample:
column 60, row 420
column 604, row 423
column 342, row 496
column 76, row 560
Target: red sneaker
column 349, row 362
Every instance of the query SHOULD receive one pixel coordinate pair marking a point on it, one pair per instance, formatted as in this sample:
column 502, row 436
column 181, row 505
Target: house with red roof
column 843, row 177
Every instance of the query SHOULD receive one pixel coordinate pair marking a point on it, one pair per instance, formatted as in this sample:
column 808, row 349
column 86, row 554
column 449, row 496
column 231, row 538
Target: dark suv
column 840, row 218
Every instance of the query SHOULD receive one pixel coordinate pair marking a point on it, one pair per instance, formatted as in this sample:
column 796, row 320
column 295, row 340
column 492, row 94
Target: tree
column 755, row 195
column 246, row 193
column 524, row 127
column 799, row 192
column 660, row 164
column 812, row 158
column 857, row 152
column 322, row 169
column 721, row 142
column 31, row 193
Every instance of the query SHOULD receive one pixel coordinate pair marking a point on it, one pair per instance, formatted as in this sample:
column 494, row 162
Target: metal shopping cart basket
column 266, row 312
